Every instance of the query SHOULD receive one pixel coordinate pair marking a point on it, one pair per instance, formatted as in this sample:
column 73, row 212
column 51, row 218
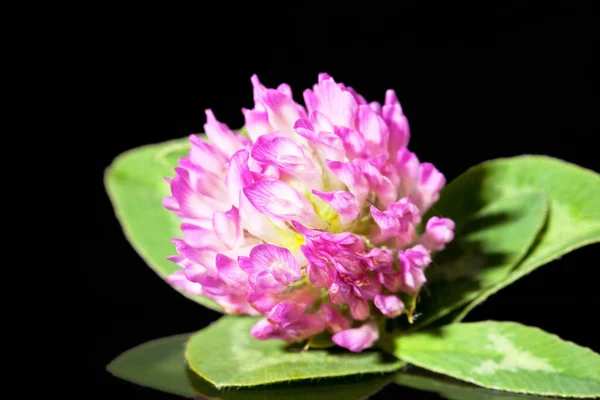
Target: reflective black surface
column 411, row 381
column 474, row 84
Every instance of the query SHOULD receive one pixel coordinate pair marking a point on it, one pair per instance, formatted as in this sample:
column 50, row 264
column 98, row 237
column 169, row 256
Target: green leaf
column 454, row 389
column 573, row 193
column 158, row 364
column 346, row 388
column 227, row 356
column 136, row 188
column 487, row 246
column 505, row 356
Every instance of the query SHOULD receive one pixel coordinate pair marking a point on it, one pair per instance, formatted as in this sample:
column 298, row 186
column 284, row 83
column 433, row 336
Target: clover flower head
column 312, row 219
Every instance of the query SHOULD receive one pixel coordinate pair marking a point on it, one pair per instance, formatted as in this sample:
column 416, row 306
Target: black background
column 474, row 84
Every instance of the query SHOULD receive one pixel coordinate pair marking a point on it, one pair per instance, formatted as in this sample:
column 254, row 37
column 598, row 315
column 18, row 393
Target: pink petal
column 359, row 308
column 287, row 155
column 336, row 293
column 271, row 148
column 328, row 144
column 414, row 280
column 345, row 240
column 344, row 203
column 359, row 99
column 312, row 233
column 335, row 321
column 438, row 233
column 200, row 237
column 388, row 223
column 352, row 176
column 196, row 272
column 348, row 264
column 332, row 100
column 206, row 156
column 357, row 339
column 389, row 305
column 304, row 127
column 178, row 280
column 391, row 98
column 170, row 203
column 257, row 122
column 230, row 272
column 408, row 170
column 246, row 265
column 373, row 128
column 221, row 136
column 380, row 259
column 202, row 256
column 258, row 224
column 227, row 228
column 399, row 131
column 398, row 221
column 367, row 288
column 235, row 304
column 179, row 260
column 191, row 203
column 353, row 141
column 265, row 330
column 265, row 281
column 263, row 301
column 276, row 260
column 279, row 200
column 280, row 106
column 412, row 262
column 306, row 326
column 375, row 106
column 317, row 274
column 398, row 124
column 285, row 313
column 407, row 210
column 383, row 187
column 238, row 176
column 285, row 89
column 321, row 121
column 431, row 181
column 419, row 256
column 212, row 287
column 204, row 182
